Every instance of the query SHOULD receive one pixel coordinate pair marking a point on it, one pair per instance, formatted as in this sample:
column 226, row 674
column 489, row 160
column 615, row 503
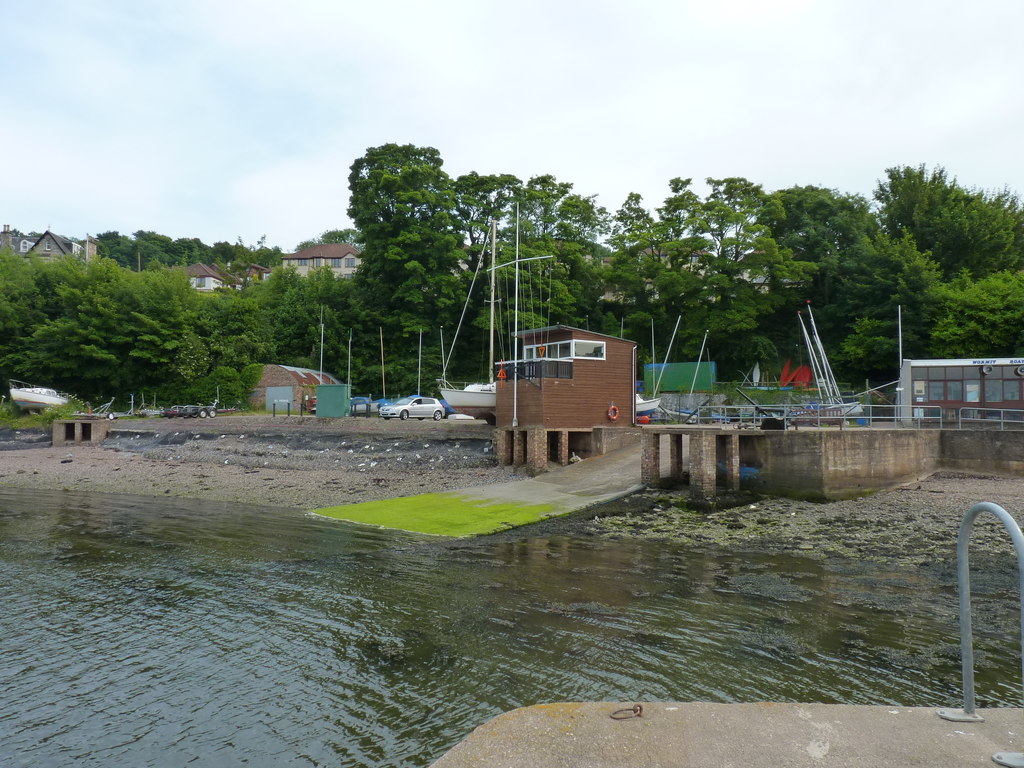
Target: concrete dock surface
column 695, row 734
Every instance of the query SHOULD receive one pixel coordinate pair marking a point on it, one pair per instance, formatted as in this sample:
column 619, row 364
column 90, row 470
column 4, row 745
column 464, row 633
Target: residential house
column 342, row 258
column 206, row 277
column 47, row 246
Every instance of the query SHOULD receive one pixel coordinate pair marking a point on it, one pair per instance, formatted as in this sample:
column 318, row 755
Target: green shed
column 333, row 401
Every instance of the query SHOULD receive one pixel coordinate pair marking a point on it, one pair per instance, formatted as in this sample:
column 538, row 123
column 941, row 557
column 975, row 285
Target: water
column 142, row 632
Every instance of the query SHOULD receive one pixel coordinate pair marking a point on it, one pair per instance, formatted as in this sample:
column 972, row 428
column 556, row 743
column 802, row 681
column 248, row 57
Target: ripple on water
column 170, row 632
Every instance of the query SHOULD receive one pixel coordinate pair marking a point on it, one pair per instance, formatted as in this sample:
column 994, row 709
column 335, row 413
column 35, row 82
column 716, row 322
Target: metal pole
column 419, row 363
column 383, row 383
column 515, row 339
column 494, row 273
column 699, row 357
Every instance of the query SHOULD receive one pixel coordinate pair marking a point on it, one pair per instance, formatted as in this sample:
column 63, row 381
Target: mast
column 494, row 272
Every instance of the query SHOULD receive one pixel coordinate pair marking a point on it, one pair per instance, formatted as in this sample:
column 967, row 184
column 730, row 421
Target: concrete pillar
column 732, row 460
column 563, row 447
column 536, row 449
column 702, row 465
column 650, row 456
column 503, row 446
column 518, row 447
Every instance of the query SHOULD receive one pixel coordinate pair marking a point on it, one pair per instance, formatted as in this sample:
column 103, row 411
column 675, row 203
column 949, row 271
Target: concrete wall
column 983, row 451
column 823, row 464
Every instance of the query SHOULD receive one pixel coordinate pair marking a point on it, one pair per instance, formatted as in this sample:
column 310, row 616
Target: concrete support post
column 732, row 461
column 650, row 456
column 503, row 446
column 518, row 447
column 537, row 449
column 702, row 465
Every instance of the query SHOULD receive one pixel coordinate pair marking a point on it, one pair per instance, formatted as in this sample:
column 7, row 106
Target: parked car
column 415, row 407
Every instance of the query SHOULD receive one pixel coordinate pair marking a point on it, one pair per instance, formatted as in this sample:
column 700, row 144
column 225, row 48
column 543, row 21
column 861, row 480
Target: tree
column 403, row 203
column 962, row 229
column 350, row 236
column 894, row 274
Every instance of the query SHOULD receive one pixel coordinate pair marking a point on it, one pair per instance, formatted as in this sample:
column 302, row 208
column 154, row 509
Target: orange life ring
column 613, row 412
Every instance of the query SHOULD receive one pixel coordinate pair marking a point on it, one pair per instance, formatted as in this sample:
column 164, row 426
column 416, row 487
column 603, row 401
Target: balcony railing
column 533, row 369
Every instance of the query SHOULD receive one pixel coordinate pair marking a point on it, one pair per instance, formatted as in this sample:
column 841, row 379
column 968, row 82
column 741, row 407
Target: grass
column 440, row 514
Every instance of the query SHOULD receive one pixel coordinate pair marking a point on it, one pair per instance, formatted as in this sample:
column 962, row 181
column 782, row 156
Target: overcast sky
column 221, row 119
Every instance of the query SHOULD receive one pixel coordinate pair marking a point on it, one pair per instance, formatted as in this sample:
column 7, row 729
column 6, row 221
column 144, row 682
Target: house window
column 48, row 246
column 335, row 262
column 935, row 390
column 303, row 262
column 1011, row 389
column 973, row 391
column 591, row 349
column 955, row 390
column 350, row 262
column 24, row 246
column 993, row 390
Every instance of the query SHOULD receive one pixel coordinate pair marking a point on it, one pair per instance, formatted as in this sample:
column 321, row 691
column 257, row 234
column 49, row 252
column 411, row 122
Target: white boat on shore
column 647, row 407
column 29, row 397
column 476, row 400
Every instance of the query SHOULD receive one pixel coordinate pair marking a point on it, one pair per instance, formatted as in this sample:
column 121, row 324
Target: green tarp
column 679, row 377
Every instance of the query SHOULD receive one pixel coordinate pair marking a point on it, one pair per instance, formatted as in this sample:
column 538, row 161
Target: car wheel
column 403, row 415
column 438, row 415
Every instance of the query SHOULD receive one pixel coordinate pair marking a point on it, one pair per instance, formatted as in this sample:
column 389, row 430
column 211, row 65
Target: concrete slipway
column 576, row 486
column 702, row 735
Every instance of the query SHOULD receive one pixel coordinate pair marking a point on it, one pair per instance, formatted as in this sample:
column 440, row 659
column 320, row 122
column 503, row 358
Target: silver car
column 415, row 408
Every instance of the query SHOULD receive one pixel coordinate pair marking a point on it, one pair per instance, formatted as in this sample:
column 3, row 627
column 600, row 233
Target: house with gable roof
column 47, row 246
column 342, row 258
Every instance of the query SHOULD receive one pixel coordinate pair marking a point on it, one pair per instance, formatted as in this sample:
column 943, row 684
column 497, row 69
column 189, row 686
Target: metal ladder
column 967, row 714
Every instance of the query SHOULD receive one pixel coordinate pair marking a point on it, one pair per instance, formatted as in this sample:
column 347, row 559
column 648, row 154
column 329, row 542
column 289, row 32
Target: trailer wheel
column 202, row 413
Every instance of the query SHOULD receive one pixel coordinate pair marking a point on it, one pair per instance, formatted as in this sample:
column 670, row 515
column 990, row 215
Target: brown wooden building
column 568, row 378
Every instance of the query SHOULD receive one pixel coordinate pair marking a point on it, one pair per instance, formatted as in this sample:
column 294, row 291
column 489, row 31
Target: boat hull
column 647, row 407
column 479, row 403
column 36, row 398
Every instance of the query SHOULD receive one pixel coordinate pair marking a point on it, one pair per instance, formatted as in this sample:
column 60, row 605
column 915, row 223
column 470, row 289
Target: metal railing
column 788, row 415
column 963, row 569
column 988, row 418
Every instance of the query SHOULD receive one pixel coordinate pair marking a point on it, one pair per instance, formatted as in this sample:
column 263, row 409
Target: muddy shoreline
column 309, row 464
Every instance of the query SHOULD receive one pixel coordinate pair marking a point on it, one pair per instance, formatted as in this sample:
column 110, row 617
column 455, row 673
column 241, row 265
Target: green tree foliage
column 349, row 235
column 962, row 229
column 976, row 318
column 734, row 260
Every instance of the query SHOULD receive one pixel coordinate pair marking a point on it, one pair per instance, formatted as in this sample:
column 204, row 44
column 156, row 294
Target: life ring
column 613, row 412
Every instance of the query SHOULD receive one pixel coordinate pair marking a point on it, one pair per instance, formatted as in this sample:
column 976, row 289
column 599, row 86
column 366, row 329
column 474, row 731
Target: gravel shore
column 310, row 463
column 289, row 461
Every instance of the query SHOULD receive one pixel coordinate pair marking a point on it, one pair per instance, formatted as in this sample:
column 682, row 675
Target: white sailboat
column 478, row 400
column 29, row 397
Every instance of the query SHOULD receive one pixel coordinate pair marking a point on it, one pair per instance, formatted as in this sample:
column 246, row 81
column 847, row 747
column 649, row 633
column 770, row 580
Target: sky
column 240, row 119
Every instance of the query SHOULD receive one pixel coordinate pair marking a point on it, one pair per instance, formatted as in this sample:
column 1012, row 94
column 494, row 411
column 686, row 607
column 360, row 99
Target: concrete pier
column 702, row 735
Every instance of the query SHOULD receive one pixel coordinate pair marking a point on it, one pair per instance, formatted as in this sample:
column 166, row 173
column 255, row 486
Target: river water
column 151, row 632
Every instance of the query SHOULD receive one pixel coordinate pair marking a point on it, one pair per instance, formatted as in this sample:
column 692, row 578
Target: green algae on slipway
column 441, row 514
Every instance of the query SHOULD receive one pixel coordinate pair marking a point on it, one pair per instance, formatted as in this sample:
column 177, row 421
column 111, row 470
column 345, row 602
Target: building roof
column 569, row 328
column 325, row 251
column 204, row 270
column 309, row 376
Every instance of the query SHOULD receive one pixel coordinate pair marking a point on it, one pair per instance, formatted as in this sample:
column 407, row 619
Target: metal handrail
column 963, row 569
column 1005, row 415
